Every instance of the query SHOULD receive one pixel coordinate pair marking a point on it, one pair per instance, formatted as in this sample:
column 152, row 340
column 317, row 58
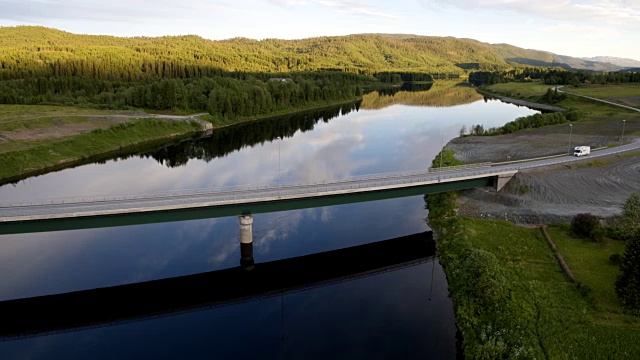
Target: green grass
column 20, row 112
column 533, row 91
column 520, row 89
column 568, row 325
column 47, row 153
column 594, row 109
column 26, row 117
column 40, row 123
column 589, row 262
column 607, row 91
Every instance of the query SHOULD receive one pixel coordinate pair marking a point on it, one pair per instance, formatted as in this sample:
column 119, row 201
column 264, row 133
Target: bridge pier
column 245, row 223
column 501, row 180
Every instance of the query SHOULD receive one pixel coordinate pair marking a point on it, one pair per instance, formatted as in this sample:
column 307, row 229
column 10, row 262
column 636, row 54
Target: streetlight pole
column 441, row 145
column 570, row 132
column 622, row 136
column 279, row 178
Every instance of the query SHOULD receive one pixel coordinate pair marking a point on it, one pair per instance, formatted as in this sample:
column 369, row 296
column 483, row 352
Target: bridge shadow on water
column 115, row 305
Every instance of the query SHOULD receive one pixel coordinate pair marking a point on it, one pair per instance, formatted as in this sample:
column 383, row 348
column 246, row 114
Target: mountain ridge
column 624, row 62
column 41, row 51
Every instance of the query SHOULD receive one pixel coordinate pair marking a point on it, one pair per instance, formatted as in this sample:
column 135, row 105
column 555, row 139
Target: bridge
column 77, row 213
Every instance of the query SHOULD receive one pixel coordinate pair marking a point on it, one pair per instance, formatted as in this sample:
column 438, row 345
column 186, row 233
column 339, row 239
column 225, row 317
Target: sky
column 580, row 28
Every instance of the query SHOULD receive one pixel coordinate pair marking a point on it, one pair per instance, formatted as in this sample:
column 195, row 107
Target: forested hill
column 27, row 51
column 36, row 51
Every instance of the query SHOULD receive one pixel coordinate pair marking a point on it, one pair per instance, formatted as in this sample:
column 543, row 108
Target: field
column 520, row 90
column 589, row 261
column 568, row 324
column 48, row 152
column 26, row 126
column 627, row 94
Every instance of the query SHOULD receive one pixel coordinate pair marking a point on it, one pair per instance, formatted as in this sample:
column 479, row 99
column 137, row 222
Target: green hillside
column 36, row 51
column 31, row 52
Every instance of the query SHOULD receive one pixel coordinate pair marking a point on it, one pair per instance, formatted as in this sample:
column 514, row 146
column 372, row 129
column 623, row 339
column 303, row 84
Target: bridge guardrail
column 458, row 167
column 271, row 191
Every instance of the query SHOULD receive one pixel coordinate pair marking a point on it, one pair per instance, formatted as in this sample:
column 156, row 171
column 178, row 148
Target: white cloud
column 115, row 10
column 348, row 7
column 593, row 31
column 620, row 12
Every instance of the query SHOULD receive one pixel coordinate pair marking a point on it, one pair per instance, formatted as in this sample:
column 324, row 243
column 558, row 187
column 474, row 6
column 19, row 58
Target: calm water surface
column 403, row 313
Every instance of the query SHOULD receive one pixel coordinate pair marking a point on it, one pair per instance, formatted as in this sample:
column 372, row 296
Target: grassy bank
column 29, row 117
column 512, row 299
column 609, row 91
column 535, row 91
column 21, row 157
column 596, row 117
column 54, row 152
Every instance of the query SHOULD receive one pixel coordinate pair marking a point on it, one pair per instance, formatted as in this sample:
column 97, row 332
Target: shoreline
column 206, row 127
column 277, row 115
column 104, row 155
column 532, row 105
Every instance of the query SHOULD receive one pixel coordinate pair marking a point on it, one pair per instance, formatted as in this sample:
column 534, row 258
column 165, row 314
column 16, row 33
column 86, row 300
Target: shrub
column 583, row 289
column 618, row 232
column 628, row 281
column 615, row 259
column 631, row 214
column 587, row 226
column 574, row 115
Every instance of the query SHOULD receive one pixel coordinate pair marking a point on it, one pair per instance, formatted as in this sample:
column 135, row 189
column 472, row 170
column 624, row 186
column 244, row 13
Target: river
column 402, row 312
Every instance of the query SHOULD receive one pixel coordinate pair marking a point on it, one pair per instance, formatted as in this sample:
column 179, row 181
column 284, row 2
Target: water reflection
column 441, row 94
column 382, row 315
column 316, row 146
column 357, row 319
column 233, row 138
column 104, row 306
column 56, row 262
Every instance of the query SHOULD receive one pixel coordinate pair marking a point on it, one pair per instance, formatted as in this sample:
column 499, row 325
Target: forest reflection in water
column 233, row 138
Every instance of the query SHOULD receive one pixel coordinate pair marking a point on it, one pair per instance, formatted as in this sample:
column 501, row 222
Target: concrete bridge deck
column 210, row 198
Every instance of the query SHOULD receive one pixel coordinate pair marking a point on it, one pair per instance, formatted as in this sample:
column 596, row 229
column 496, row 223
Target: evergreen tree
column 628, row 282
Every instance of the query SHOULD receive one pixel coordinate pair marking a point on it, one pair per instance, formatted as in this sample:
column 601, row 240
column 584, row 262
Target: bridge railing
column 204, row 191
column 458, row 167
column 236, row 193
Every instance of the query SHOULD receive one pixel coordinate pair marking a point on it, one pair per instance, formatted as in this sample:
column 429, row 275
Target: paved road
column 74, row 207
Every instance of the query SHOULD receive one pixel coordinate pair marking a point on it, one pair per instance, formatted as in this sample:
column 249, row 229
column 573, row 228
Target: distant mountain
column 28, row 51
column 628, row 63
column 518, row 55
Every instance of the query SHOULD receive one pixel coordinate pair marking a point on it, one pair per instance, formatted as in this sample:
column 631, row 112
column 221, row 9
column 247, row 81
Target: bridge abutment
column 245, row 223
column 501, row 180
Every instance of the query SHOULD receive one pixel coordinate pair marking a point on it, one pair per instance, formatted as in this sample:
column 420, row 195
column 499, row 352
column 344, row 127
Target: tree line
column 552, row 76
column 223, row 96
column 526, row 122
column 233, row 138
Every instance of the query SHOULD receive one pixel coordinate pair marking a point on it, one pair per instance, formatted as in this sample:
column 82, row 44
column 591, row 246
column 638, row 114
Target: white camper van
column 582, row 150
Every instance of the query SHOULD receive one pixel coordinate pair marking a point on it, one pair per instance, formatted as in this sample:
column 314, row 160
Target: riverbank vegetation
column 593, row 118
column 553, row 76
column 526, row 122
column 512, row 299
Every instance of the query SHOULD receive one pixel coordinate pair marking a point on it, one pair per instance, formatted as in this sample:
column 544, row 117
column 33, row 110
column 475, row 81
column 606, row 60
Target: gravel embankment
column 551, row 194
